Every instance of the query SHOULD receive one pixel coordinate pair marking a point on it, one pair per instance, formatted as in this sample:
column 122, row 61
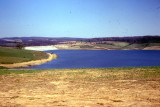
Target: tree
column 19, row 46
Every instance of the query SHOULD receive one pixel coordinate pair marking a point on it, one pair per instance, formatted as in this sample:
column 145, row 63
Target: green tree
column 19, row 46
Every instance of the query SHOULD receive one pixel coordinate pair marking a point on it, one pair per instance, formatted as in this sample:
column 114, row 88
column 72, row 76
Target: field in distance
column 111, row 87
column 108, row 45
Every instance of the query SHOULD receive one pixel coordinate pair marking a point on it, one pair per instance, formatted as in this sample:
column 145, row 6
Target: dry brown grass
column 133, row 87
column 152, row 48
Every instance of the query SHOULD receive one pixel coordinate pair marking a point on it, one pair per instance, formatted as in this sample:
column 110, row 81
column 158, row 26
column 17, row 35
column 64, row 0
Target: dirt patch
column 66, row 88
column 152, row 48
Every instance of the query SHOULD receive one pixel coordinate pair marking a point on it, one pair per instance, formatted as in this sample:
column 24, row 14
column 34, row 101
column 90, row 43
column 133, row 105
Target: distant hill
column 43, row 41
column 34, row 41
column 61, row 39
column 135, row 39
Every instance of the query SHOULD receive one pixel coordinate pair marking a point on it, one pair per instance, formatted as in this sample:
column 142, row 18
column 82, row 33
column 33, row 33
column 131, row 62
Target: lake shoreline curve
column 51, row 56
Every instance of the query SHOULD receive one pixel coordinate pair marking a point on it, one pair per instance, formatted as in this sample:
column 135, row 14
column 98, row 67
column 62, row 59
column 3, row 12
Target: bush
column 19, row 46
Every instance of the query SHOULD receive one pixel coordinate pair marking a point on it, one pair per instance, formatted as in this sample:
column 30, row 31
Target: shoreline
column 31, row 63
column 66, row 47
column 41, row 48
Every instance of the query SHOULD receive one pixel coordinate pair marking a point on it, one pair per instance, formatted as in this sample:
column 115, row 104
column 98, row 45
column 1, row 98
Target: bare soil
column 80, row 88
column 152, row 48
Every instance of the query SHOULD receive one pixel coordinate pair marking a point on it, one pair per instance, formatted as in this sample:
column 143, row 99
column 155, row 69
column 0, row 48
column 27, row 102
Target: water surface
column 101, row 59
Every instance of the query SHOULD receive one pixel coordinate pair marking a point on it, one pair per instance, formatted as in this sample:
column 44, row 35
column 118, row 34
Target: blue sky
column 79, row 18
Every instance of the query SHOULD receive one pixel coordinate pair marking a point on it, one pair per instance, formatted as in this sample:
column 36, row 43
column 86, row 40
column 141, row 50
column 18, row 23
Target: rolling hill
column 107, row 43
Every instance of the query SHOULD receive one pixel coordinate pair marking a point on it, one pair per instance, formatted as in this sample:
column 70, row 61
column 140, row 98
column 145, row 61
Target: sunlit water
column 101, row 59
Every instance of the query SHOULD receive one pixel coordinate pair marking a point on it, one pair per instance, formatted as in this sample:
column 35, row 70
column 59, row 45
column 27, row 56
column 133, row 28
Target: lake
column 101, row 59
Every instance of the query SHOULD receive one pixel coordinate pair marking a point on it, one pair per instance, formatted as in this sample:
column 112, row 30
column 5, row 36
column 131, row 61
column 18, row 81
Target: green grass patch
column 112, row 45
column 96, row 74
column 103, row 74
column 86, row 46
column 17, row 71
column 137, row 46
column 13, row 55
column 1, row 67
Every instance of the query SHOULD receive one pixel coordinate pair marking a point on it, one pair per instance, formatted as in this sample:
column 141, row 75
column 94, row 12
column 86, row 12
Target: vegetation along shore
column 112, row 87
column 15, row 58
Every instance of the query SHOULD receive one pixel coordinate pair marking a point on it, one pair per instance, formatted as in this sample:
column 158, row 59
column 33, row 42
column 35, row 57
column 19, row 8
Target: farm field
column 109, row 45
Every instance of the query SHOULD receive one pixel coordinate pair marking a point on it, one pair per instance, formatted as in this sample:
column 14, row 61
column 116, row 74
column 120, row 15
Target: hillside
column 134, row 39
column 35, row 41
column 12, row 55
column 109, row 45
column 106, row 43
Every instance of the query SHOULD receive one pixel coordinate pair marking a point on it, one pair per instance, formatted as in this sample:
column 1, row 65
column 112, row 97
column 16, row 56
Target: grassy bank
column 13, row 55
column 81, row 87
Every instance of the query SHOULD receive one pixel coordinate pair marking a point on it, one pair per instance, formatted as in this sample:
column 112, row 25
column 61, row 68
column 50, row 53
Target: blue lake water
column 101, row 59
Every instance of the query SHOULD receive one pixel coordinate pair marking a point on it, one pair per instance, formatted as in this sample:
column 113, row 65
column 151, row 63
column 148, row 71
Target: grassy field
column 125, row 45
column 133, row 87
column 110, row 45
column 13, row 55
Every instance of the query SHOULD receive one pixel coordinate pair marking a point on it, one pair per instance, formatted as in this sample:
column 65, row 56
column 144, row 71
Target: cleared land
column 135, row 87
column 40, row 48
column 108, row 45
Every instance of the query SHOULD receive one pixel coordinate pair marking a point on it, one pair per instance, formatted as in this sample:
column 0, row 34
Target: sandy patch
column 40, row 48
column 152, row 48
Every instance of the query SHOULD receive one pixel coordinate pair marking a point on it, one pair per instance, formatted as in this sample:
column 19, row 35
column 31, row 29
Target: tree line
column 136, row 39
